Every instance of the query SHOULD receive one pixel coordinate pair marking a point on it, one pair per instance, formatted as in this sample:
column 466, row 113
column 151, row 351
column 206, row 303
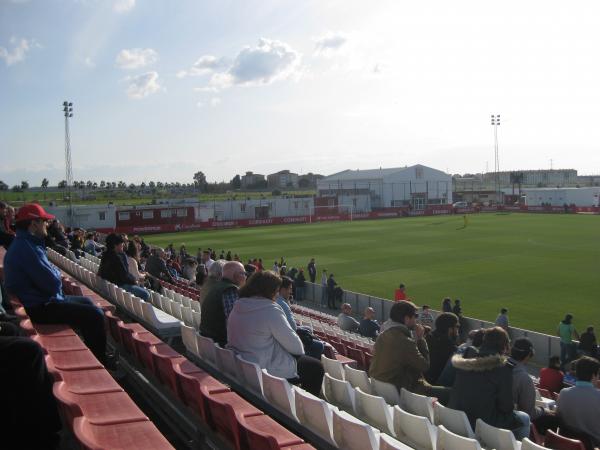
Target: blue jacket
column 28, row 274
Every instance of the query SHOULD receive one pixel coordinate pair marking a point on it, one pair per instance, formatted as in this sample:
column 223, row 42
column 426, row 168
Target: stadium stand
column 224, row 397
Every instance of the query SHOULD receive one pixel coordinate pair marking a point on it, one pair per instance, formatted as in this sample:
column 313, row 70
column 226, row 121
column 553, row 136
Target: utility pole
column 496, row 124
column 68, row 113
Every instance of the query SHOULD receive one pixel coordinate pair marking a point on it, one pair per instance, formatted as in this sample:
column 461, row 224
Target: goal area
column 330, row 212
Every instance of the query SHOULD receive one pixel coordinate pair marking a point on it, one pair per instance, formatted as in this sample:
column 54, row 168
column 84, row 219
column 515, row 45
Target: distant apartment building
column 541, row 178
column 282, row 179
column 309, row 180
column 251, row 180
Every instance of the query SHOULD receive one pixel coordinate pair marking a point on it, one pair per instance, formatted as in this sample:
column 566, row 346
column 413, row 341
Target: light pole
column 68, row 113
column 496, row 123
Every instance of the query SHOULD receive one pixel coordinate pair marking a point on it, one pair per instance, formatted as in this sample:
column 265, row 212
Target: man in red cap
column 36, row 282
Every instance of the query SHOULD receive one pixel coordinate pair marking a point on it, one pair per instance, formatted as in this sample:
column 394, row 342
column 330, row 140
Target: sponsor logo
column 294, row 219
column 148, row 228
column 260, row 222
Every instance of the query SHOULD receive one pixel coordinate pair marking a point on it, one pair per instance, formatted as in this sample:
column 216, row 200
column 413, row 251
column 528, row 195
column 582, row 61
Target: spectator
column 331, row 284
column 276, row 268
column 56, row 238
column 447, row 305
column 483, row 385
column 368, row 325
column 91, row 245
column 37, row 283
column 442, row 345
column 300, row 285
column 502, row 319
column 578, row 406
column 157, row 267
column 345, row 320
column 426, row 318
column 588, row 346
column 401, row 359
column 133, row 262
column 400, row 293
column 6, row 233
column 471, row 345
column 27, row 395
column 523, row 389
column 566, row 330
column 457, row 308
column 551, row 377
column 324, row 288
column 189, row 269
column 283, row 296
column 206, row 259
column 213, row 275
column 312, row 270
column 77, row 242
column 259, row 332
column 114, row 267
column 219, row 302
column 228, row 256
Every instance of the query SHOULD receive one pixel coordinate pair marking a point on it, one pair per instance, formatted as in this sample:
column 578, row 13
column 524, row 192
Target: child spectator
column 551, row 377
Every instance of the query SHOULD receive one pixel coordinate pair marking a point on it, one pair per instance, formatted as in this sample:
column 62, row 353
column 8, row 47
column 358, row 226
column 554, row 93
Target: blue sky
column 162, row 88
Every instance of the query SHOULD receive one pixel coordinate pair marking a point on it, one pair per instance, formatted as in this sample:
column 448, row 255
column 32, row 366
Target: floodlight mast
column 68, row 113
column 496, row 123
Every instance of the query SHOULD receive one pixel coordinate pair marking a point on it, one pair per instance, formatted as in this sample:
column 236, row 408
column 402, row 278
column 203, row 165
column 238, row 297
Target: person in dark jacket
column 300, row 285
column 219, row 302
column 113, row 267
column 447, row 305
column 588, row 345
column 36, row 282
column 331, row 284
column 312, row 270
column 157, row 267
column 484, row 383
column 442, row 344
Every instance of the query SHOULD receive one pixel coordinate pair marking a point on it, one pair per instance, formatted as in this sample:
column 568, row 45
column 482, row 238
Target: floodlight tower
column 496, row 124
column 68, row 112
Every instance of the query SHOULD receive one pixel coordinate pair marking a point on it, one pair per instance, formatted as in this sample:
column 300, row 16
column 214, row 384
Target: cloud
column 330, row 42
column 89, row 62
column 269, row 61
column 136, row 58
column 205, row 64
column 215, row 101
column 123, row 6
column 20, row 47
column 143, row 85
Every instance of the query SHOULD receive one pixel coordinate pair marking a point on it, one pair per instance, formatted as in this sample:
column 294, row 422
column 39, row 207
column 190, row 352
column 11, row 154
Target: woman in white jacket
column 258, row 330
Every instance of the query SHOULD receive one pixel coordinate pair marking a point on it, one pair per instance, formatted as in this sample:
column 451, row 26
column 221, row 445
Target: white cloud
column 89, row 62
column 330, row 42
column 19, row 50
column 208, row 89
column 135, row 58
column 205, row 64
column 269, row 61
column 143, row 85
column 123, row 6
column 215, row 101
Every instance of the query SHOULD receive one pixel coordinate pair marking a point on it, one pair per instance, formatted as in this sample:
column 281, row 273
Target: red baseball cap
column 32, row 211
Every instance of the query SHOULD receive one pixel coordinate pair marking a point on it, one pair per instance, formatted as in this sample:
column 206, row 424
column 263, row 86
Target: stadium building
column 416, row 186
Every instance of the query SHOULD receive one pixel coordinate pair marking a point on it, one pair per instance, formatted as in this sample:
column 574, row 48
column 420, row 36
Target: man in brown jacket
column 400, row 359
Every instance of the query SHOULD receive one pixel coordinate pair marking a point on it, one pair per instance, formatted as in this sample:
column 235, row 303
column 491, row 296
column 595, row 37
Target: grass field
column 539, row 266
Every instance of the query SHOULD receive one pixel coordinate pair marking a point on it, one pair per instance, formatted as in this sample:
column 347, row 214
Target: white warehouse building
column 587, row 196
column 417, row 186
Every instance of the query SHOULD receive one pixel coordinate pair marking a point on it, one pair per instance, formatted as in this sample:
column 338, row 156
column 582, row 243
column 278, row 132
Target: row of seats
column 226, row 361
column 414, row 419
column 93, row 405
column 243, row 425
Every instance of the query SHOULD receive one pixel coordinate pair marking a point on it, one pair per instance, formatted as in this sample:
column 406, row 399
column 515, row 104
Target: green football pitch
column 539, row 266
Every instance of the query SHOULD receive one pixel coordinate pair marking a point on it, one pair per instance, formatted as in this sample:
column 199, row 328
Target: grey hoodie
column 258, row 330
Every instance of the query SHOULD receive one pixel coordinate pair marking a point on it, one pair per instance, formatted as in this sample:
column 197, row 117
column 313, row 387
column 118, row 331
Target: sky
column 164, row 88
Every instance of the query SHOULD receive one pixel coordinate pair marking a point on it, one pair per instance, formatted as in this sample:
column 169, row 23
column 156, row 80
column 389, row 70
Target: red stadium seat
column 61, row 343
column 168, row 373
column 122, row 436
column 94, row 381
column 368, row 358
column 225, row 408
column 163, row 359
column 113, row 326
column 299, row 447
column 263, row 433
column 75, row 360
column 194, row 387
column 126, row 331
column 99, row 409
column 558, row 442
column 358, row 356
column 143, row 342
column 53, row 330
